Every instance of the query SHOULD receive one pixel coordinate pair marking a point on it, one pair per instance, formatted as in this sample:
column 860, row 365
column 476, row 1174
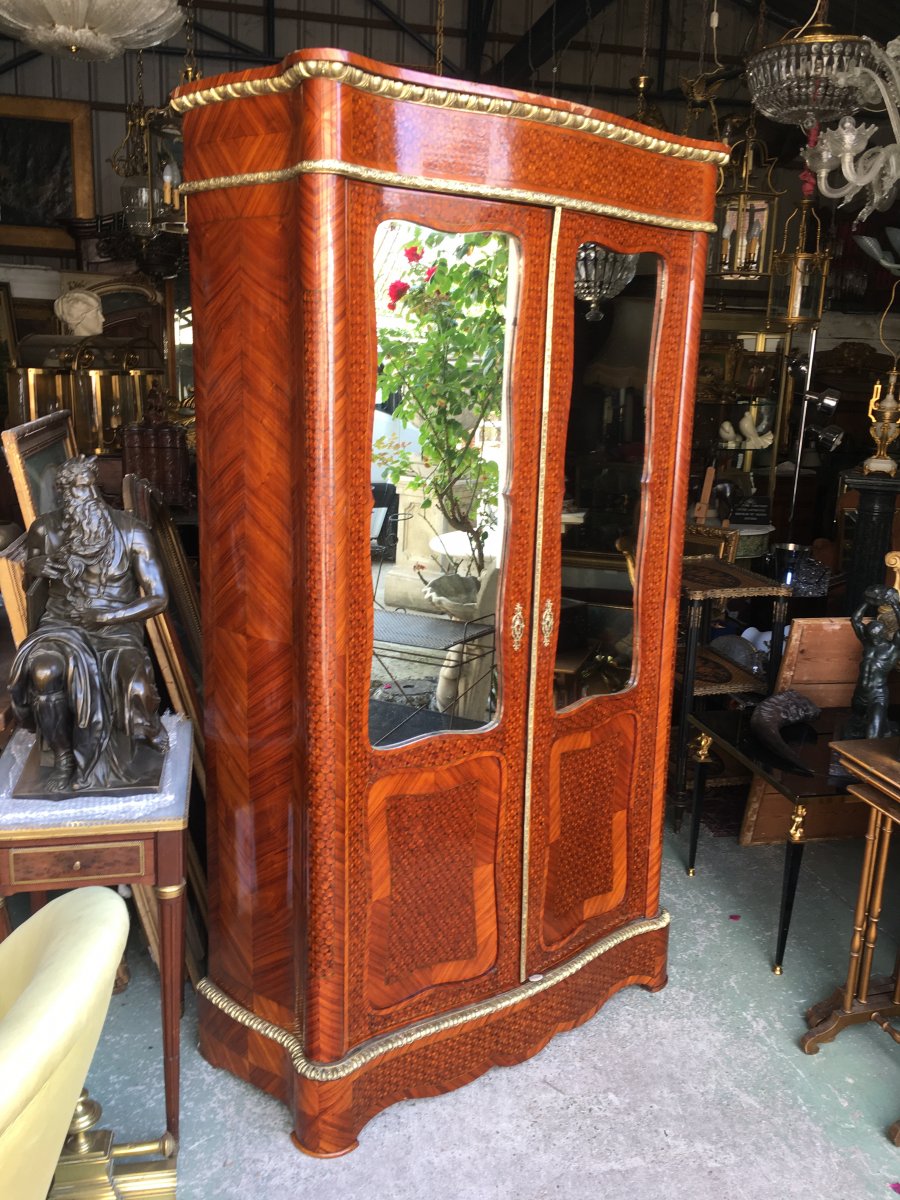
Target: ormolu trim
column 535, row 616
column 379, row 1047
column 437, row 97
column 452, row 187
column 171, row 891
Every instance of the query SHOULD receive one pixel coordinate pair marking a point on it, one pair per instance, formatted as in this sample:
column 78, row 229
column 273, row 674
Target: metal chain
column 553, row 49
column 593, row 51
column 646, row 39
column 439, row 39
column 140, row 79
column 190, row 71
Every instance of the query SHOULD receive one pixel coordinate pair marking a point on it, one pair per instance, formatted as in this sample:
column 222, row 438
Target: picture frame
column 703, row 540
column 34, row 451
column 9, row 340
column 175, row 633
column 174, row 636
column 47, row 149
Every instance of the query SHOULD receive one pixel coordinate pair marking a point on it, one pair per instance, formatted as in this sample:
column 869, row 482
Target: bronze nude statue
column 880, row 639
column 83, row 679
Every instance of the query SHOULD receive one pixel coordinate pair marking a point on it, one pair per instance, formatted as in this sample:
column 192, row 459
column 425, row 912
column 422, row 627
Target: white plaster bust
column 81, row 311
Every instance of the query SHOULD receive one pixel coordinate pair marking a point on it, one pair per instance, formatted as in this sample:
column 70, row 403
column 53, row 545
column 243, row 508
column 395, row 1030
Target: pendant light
column 90, row 29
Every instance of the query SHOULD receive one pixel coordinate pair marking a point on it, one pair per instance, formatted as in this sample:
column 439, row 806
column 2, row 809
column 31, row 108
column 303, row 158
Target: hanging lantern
column 91, row 29
column 800, row 267
column 149, row 161
column 746, row 206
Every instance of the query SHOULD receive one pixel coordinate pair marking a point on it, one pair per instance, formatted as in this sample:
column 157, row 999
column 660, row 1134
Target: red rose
column 391, row 305
column 398, row 290
column 413, row 254
column 429, row 273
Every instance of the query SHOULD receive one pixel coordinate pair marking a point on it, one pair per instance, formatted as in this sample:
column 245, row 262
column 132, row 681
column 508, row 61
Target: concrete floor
column 698, row 1093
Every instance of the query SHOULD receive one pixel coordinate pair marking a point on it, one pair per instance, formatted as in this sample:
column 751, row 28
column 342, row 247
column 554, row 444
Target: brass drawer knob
column 76, row 865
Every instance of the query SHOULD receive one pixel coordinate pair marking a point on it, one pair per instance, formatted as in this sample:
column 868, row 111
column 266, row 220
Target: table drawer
column 80, row 861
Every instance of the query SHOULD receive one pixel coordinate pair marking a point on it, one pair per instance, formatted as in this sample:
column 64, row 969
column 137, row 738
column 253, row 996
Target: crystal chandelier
column 601, row 274
column 873, row 171
column 812, row 75
column 90, row 29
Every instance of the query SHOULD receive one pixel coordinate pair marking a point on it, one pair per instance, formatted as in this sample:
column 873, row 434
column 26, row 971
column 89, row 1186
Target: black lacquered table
column 811, row 742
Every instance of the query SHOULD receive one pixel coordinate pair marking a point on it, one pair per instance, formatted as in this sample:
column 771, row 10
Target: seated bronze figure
column 82, row 679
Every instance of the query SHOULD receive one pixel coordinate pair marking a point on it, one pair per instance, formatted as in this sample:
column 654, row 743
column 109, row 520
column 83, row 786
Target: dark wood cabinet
column 392, row 920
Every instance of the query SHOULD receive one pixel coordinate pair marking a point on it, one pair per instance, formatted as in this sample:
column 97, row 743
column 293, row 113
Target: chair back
column 56, row 978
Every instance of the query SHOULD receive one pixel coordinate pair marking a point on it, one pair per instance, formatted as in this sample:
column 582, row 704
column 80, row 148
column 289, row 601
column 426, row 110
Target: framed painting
column 34, row 451
column 48, row 176
column 174, row 633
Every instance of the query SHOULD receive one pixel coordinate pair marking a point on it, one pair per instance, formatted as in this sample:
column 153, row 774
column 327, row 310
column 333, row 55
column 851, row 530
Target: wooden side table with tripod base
column 873, row 762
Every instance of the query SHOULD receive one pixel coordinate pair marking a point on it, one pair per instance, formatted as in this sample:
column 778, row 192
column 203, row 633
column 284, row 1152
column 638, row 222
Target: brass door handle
column 547, row 622
column 518, row 628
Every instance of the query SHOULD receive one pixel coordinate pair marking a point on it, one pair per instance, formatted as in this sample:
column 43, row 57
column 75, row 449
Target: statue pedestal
column 80, row 840
column 872, row 536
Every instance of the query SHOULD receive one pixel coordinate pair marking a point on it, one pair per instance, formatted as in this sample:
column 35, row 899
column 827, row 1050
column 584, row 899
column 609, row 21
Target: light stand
column 825, row 404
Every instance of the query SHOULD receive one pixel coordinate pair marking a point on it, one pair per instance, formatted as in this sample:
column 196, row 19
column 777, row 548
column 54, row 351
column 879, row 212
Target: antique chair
column 56, row 979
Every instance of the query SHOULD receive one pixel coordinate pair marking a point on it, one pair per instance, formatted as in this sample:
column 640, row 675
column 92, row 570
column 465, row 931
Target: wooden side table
column 862, row 998
column 48, row 845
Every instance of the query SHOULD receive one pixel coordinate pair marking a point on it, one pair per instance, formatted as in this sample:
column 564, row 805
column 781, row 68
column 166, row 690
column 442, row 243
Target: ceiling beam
column 550, row 33
column 477, row 25
column 450, row 68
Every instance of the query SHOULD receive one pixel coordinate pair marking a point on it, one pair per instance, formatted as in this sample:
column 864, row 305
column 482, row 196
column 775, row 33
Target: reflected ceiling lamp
column 90, row 29
column 600, row 274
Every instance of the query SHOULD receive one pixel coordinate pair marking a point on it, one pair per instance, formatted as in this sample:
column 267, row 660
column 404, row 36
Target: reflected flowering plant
column 443, row 356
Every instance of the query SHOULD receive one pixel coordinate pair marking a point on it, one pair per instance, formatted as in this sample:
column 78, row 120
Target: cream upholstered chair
column 56, row 978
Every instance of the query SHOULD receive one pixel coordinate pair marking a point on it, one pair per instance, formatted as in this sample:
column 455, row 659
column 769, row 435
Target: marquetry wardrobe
column 396, row 907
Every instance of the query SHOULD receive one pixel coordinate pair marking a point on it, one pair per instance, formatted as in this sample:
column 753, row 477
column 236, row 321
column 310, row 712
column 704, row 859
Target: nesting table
column 83, row 840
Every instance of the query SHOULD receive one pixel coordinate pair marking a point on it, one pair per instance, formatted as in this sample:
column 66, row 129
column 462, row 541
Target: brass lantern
column 746, row 207
column 799, row 270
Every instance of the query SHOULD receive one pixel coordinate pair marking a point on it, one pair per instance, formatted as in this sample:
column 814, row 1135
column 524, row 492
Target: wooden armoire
column 391, row 917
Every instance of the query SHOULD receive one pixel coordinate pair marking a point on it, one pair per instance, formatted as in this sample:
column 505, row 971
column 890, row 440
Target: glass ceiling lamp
column 746, row 207
column 600, row 274
column 90, row 29
column 809, row 76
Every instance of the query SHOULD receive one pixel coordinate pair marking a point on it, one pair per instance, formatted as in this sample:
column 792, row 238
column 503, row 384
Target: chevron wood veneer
column 390, row 923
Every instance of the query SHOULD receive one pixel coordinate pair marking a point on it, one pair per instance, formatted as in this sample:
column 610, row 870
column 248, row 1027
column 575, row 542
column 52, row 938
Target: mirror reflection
column 443, row 304
column 604, row 464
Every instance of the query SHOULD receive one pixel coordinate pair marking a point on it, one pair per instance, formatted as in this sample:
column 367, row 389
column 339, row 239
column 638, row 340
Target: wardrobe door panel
column 437, row 657
column 600, row 690
column 433, row 834
column 590, row 782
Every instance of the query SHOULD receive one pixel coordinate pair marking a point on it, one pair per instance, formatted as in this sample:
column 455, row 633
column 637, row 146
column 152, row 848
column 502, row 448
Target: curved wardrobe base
column 333, row 1101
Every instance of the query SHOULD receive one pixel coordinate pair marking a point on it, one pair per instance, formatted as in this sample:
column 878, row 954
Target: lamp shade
column 90, row 29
